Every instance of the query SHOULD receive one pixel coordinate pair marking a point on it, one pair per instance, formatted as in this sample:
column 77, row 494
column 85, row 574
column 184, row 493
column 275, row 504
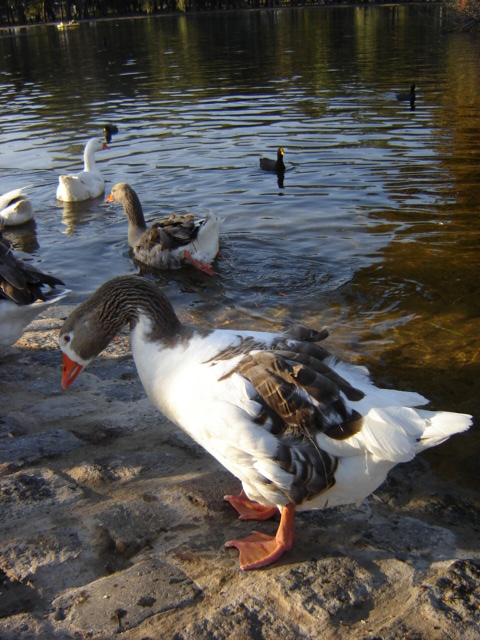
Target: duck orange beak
column 71, row 370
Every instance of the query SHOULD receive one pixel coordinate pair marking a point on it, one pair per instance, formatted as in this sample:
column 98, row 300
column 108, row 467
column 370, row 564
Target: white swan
column 87, row 184
column 15, row 208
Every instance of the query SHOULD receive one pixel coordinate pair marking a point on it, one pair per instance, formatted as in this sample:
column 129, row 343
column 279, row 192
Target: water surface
column 376, row 229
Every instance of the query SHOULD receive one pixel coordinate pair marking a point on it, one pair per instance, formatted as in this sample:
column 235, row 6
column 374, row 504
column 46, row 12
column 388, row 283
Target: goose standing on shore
column 21, row 294
column 87, row 184
column 300, row 429
column 170, row 242
column 15, row 208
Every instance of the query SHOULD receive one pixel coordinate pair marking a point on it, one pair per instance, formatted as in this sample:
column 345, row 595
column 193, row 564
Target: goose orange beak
column 109, row 199
column 71, row 370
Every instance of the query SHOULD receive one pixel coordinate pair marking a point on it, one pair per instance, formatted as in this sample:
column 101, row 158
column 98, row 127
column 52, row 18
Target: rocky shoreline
column 113, row 523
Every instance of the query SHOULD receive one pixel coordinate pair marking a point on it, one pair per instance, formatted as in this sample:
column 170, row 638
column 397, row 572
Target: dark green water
column 376, row 230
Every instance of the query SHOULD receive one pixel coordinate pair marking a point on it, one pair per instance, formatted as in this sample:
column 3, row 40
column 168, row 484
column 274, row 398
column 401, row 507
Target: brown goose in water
column 300, row 429
column 170, row 242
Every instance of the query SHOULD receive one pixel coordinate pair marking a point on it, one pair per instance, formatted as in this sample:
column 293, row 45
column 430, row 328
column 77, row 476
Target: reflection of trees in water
column 31, row 11
column 466, row 12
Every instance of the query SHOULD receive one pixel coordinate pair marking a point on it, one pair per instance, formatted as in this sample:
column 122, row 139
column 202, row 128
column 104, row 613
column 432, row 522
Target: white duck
column 170, row 242
column 15, row 208
column 87, row 184
column 21, row 294
column 297, row 427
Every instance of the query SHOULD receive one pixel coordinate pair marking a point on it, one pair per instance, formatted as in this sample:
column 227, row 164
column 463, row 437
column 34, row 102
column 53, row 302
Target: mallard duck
column 15, row 208
column 87, row 184
column 277, row 165
column 298, row 428
column 22, row 295
column 170, row 242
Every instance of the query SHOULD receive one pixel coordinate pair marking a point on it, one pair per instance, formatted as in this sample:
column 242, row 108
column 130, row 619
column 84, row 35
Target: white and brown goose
column 24, row 293
column 299, row 429
column 172, row 241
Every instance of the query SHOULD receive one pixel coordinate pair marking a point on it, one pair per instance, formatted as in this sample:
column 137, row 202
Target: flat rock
column 29, row 493
column 124, row 600
column 16, row 452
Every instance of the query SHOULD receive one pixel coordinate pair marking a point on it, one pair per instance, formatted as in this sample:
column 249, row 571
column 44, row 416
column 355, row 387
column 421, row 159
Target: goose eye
column 66, row 338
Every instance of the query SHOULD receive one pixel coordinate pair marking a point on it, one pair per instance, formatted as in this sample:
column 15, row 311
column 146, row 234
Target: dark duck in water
column 408, row 97
column 267, row 164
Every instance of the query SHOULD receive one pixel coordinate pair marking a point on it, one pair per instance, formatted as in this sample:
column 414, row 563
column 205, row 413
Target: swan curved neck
column 89, row 159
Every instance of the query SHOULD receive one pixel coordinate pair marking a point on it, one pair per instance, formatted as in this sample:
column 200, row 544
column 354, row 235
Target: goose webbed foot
column 201, row 266
column 259, row 549
column 250, row 510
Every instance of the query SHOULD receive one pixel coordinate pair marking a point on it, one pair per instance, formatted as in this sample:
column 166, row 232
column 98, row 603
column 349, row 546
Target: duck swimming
column 278, row 166
column 408, row 97
column 171, row 242
column 299, row 428
column 87, row 184
column 109, row 130
column 15, row 208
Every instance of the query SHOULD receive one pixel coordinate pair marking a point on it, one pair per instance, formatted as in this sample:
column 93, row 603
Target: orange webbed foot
column 201, row 266
column 259, row 549
column 250, row 510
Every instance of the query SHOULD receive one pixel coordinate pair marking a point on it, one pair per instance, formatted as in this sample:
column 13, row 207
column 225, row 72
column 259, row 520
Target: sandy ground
column 113, row 522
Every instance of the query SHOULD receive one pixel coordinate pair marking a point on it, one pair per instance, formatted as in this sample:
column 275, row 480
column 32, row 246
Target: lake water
column 376, row 230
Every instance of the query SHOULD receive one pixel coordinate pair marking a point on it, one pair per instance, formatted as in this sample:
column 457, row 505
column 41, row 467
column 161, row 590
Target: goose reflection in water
column 79, row 214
